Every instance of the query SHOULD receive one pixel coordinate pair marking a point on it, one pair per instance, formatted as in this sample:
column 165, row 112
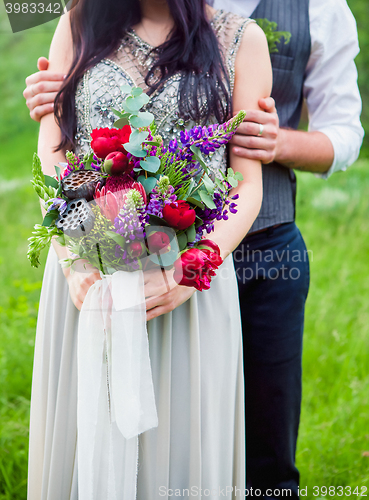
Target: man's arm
column 310, row 151
column 335, row 133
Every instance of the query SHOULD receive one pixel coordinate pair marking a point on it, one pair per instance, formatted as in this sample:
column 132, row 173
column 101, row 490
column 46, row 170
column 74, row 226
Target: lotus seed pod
column 77, row 220
column 82, row 184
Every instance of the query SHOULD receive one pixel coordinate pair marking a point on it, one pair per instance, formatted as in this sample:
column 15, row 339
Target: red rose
column 179, row 214
column 158, row 241
column 109, row 140
column 117, row 163
column 196, row 268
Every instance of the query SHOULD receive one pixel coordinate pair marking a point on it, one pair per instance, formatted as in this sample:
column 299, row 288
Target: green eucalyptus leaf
column 135, row 150
column 152, row 143
column 121, row 122
column 220, row 184
column 238, row 176
column 143, row 119
column 182, row 241
column 136, row 91
column 207, row 199
column 134, row 104
column 191, row 233
column 208, row 183
column 195, row 200
column 150, row 164
column 233, row 182
column 51, row 182
column 142, row 99
column 126, row 89
column 137, row 137
column 148, row 183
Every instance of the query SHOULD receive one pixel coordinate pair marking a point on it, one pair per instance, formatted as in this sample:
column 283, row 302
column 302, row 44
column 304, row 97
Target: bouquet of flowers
column 133, row 201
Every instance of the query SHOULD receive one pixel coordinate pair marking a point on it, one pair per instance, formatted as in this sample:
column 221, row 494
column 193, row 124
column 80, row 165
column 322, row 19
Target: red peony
column 158, row 241
column 179, row 214
column 117, row 163
column 109, row 140
column 209, row 245
column 196, row 267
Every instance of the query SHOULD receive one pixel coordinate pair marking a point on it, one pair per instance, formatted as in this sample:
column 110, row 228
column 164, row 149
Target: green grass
column 334, row 219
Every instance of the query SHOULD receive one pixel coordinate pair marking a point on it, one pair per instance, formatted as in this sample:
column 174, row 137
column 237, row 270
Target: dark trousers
column 273, row 274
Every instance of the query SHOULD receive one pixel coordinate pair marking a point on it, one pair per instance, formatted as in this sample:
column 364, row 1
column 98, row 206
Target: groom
column 271, row 262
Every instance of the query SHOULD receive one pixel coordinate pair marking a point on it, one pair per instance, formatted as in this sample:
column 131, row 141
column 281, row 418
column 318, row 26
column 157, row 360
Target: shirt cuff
column 346, row 144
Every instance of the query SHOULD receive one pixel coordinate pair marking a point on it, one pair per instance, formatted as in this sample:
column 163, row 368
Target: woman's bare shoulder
column 253, row 70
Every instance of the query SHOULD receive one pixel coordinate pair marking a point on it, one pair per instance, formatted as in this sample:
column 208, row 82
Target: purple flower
column 173, row 146
column 57, row 204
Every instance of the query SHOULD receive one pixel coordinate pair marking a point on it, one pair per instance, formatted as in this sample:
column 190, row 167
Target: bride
column 199, row 66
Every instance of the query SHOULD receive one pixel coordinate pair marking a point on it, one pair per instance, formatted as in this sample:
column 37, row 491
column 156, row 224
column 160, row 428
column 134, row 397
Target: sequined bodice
column 100, row 88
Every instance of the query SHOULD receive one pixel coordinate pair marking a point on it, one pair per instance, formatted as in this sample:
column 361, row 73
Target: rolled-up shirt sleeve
column 330, row 87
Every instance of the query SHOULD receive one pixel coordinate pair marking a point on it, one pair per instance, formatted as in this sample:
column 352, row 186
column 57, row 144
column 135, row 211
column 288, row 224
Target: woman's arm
column 253, row 80
column 61, row 56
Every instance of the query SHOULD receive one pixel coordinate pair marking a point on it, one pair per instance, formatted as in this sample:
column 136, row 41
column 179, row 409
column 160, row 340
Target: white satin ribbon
column 116, row 399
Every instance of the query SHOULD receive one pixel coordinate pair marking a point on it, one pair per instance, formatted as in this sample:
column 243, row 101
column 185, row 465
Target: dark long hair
column 192, row 49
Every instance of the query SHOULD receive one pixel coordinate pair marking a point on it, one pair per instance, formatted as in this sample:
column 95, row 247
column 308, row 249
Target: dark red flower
column 196, row 267
column 135, row 249
column 209, row 245
column 124, row 183
column 109, row 140
column 117, row 163
column 109, row 204
column 179, row 214
column 158, row 241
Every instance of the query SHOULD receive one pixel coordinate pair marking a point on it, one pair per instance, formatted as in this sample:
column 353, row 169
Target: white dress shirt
column 330, row 85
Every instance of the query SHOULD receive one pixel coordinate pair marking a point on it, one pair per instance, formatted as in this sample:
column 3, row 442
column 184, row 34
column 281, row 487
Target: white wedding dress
column 195, row 351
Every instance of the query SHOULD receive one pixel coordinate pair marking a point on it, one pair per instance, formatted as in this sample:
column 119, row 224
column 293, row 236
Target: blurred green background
column 334, row 218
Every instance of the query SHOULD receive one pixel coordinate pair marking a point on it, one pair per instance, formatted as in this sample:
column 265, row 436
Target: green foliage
column 43, row 189
column 360, row 9
column 272, row 35
column 41, row 239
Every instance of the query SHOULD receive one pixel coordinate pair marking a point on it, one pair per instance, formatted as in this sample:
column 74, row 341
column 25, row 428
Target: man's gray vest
column 289, row 65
